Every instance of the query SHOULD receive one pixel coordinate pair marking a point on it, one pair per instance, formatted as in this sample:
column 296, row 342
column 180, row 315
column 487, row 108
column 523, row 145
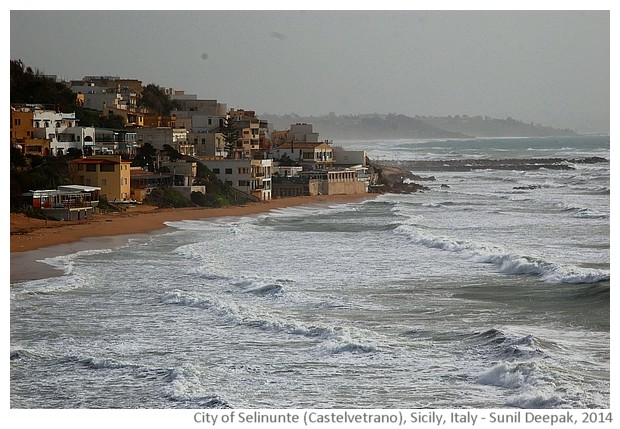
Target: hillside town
column 235, row 145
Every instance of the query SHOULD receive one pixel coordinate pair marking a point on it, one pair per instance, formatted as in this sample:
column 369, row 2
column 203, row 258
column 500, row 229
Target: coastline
column 35, row 239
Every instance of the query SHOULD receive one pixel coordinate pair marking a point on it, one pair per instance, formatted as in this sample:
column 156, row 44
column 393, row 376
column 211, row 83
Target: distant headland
column 396, row 126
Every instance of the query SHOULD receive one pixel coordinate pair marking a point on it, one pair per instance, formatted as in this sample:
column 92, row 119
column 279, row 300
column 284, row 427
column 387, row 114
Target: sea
column 488, row 289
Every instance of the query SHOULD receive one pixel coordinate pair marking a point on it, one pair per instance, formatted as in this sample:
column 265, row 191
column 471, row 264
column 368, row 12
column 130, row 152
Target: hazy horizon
column 548, row 67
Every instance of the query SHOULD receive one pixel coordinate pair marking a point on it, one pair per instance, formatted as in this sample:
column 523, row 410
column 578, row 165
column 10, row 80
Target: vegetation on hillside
column 32, row 87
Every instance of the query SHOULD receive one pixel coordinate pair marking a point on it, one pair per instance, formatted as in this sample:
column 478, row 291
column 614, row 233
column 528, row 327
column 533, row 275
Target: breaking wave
column 506, row 262
column 348, row 339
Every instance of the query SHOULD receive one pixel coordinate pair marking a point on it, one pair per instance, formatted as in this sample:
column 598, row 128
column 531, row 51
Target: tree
column 229, row 130
column 172, row 153
column 28, row 86
column 154, row 98
column 145, row 157
column 94, row 118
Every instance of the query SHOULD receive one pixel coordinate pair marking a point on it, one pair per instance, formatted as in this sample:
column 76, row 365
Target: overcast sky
column 551, row 67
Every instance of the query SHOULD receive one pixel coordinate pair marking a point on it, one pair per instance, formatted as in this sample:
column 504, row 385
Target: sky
column 543, row 66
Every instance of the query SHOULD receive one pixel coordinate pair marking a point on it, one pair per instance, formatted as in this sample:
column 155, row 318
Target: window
column 91, row 167
column 104, row 182
column 210, row 121
column 106, row 168
column 228, row 171
column 124, row 180
column 216, row 171
column 244, row 183
column 204, row 141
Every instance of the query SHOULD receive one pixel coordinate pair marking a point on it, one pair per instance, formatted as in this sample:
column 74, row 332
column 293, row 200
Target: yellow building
column 110, row 173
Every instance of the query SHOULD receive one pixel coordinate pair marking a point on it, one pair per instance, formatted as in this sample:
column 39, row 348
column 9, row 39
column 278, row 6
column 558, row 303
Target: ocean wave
column 243, row 315
column 530, row 386
column 56, row 285
column 537, row 401
column 66, row 263
column 188, row 387
column 25, row 354
column 268, row 290
column 505, row 261
column 581, row 212
column 506, row 348
column 509, row 375
column 310, row 211
column 97, row 363
column 336, row 348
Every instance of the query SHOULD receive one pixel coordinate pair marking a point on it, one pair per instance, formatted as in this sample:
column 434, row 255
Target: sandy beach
column 36, row 239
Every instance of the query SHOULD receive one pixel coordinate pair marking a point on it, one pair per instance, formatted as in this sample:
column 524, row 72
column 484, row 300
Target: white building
column 349, row 157
column 181, row 143
column 62, row 131
column 252, row 176
column 197, row 122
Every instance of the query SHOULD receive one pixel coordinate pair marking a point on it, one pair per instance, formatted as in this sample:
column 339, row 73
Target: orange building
column 22, row 133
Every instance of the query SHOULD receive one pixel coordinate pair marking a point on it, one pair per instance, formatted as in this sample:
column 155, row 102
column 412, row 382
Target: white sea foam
column 509, row 375
column 506, row 261
column 289, row 308
column 348, row 338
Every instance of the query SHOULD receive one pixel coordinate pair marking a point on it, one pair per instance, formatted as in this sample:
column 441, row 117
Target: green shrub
column 167, row 197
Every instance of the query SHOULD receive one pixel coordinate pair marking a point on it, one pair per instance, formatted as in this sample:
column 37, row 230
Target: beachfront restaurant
column 69, row 202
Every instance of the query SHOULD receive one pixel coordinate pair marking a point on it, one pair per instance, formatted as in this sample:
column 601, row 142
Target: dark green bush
column 167, row 197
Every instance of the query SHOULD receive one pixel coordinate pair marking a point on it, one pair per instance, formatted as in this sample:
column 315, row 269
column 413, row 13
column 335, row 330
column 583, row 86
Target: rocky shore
column 521, row 164
column 398, row 177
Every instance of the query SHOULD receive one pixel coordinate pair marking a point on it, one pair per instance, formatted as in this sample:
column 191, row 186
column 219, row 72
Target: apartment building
column 253, row 134
column 48, row 132
column 252, row 176
column 109, row 172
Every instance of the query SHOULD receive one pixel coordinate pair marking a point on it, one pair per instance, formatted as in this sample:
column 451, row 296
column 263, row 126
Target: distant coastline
column 397, row 126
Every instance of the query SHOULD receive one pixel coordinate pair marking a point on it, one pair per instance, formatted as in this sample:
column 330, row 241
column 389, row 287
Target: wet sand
column 34, row 239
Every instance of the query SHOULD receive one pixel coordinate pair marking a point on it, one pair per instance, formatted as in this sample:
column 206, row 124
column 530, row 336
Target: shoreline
column 34, row 239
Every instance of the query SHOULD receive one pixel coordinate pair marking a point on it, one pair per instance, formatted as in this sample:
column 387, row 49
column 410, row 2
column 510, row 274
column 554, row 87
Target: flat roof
column 82, row 188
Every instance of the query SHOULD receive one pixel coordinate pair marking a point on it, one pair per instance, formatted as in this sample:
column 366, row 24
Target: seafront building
column 307, row 166
column 69, row 202
column 252, row 176
column 259, row 163
column 111, row 173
